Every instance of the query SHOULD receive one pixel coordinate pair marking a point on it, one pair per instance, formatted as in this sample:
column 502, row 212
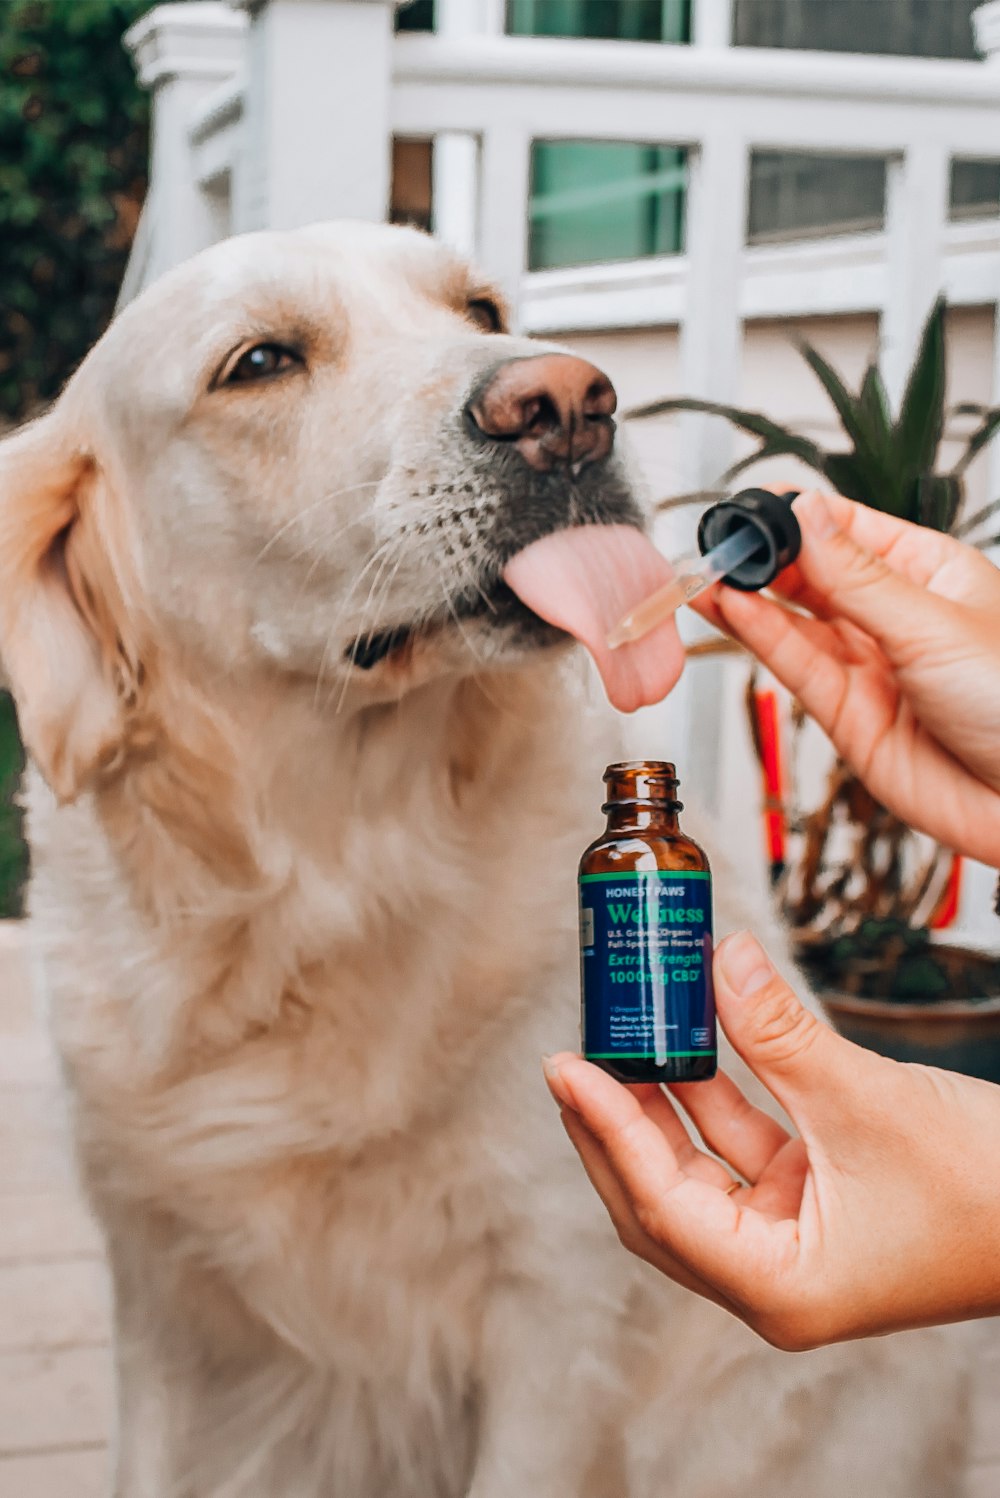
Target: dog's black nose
column 554, row 408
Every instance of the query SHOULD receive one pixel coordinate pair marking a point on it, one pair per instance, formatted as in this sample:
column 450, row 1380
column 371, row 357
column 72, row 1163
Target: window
column 797, row 195
column 612, row 20
column 418, row 16
column 794, row 196
column 975, row 189
column 907, row 28
column 604, row 200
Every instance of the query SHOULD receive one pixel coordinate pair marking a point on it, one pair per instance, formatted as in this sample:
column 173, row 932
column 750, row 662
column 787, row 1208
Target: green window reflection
column 604, row 200
column 612, row 20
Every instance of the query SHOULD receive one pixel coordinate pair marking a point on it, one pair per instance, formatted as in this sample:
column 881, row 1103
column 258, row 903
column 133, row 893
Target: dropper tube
column 745, row 540
column 692, row 577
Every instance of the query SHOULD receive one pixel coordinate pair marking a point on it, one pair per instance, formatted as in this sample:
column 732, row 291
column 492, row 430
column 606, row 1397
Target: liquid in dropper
column 693, row 577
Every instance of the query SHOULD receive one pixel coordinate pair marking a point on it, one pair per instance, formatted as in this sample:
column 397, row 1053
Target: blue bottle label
column 646, row 955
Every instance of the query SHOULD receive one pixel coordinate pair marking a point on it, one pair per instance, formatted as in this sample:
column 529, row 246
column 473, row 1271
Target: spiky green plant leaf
column 853, row 479
column 918, row 431
column 938, row 498
column 780, row 441
column 980, row 438
column 975, row 521
column 871, row 438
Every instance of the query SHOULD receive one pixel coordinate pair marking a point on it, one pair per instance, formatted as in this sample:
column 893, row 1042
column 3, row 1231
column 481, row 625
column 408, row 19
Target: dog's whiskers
column 377, row 559
column 324, row 499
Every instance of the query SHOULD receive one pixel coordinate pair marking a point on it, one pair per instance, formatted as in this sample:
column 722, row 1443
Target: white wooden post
column 711, row 338
column 712, row 23
column 181, row 53
column 456, row 156
column 916, row 212
column 503, row 221
column 316, row 142
column 711, row 330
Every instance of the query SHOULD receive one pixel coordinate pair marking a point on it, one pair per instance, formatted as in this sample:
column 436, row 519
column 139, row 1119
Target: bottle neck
column 642, row 816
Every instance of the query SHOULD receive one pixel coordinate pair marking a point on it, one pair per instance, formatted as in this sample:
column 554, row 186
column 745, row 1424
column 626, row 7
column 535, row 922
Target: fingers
column 693, row 1161
column 804, row 655
column 615, row 1199
column 696, row 1223
column 862, row 585
column 731, row 1126
column 814, row 1073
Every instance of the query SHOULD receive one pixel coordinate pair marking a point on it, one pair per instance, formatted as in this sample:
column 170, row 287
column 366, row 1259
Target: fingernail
column 745, row 965
column 816, row 515
column 557, row 1083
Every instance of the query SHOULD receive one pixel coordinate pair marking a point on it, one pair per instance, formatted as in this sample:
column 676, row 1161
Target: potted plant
column 861, row 891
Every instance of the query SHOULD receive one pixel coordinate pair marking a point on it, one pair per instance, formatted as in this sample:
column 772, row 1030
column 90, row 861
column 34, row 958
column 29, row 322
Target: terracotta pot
column 960, row 1036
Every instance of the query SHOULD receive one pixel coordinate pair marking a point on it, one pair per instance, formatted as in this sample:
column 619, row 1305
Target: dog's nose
column 554, row 408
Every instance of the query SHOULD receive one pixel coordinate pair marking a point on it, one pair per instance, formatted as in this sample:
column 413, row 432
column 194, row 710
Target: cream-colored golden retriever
column 310, row 787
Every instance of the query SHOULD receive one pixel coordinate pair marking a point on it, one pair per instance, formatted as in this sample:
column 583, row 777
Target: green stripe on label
column 647, row 874
column 643, row 1055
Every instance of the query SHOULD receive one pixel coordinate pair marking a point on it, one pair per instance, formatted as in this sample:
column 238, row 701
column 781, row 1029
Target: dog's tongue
column 584, row 580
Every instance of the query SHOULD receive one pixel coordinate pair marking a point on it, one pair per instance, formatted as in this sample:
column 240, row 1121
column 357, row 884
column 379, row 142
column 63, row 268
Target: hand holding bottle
column 882, row 1214
column 897, row 657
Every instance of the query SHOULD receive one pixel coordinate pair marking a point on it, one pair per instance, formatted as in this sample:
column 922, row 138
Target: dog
column 309, row 785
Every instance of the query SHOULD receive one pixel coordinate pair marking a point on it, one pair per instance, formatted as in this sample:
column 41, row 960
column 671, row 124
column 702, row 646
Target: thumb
column 807, row 1066
column 857, row 585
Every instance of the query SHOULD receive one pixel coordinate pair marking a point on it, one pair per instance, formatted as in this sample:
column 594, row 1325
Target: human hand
column 898, row 661
column 883, row 1213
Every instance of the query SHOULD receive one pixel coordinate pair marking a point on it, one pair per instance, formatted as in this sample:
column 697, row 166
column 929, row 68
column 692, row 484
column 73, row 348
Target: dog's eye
column 260, row 363
column 485, row 314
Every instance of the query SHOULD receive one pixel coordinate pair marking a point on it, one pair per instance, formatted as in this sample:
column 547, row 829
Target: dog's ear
column 64, row 641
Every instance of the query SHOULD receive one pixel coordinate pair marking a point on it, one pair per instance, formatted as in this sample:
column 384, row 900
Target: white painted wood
column 456, row 156
column 986, row 29
column 681, row 94
column 711, row 337
column 711, row 328
column 182, row 53
column 316, row 134
column 455, row 188
column 214, row 135
column 712, row 23
column 916, row 212
column 836, row 276
column 503, row 224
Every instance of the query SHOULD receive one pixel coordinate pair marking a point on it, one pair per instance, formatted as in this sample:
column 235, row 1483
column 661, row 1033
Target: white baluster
column 712, row 23
column 916, row 211
column 316, row 122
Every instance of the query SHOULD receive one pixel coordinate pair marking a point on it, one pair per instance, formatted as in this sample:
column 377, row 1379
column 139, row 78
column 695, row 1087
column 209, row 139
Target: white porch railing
column 278, row 112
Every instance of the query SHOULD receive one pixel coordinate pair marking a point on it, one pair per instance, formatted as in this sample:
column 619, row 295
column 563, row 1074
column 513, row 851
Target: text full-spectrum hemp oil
column 646, row 935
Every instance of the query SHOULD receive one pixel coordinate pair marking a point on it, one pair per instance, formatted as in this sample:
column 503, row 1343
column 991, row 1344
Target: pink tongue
column 584, row 580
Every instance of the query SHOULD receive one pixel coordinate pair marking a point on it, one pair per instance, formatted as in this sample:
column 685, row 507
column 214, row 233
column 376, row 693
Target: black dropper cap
column 771, row 517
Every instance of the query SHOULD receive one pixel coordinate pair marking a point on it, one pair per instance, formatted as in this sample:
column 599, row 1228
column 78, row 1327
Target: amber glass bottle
column 646, row 935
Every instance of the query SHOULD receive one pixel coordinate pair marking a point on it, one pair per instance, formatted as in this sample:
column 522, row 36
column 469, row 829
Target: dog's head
column 310, row 453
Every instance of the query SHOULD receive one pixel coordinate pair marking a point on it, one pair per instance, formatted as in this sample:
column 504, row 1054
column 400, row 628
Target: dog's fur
column 308, row 928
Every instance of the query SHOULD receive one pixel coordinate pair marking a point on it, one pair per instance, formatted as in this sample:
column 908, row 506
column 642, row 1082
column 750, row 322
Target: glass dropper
column 692, row 577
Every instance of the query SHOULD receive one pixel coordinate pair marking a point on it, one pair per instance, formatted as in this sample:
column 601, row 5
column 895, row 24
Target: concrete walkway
column 55, row 1364
column 55, row 1361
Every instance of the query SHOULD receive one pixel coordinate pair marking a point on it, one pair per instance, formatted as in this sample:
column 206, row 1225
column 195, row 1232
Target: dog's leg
column 550, row 1404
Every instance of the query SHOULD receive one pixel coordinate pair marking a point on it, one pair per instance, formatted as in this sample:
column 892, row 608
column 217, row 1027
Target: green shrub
column 73, row 157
